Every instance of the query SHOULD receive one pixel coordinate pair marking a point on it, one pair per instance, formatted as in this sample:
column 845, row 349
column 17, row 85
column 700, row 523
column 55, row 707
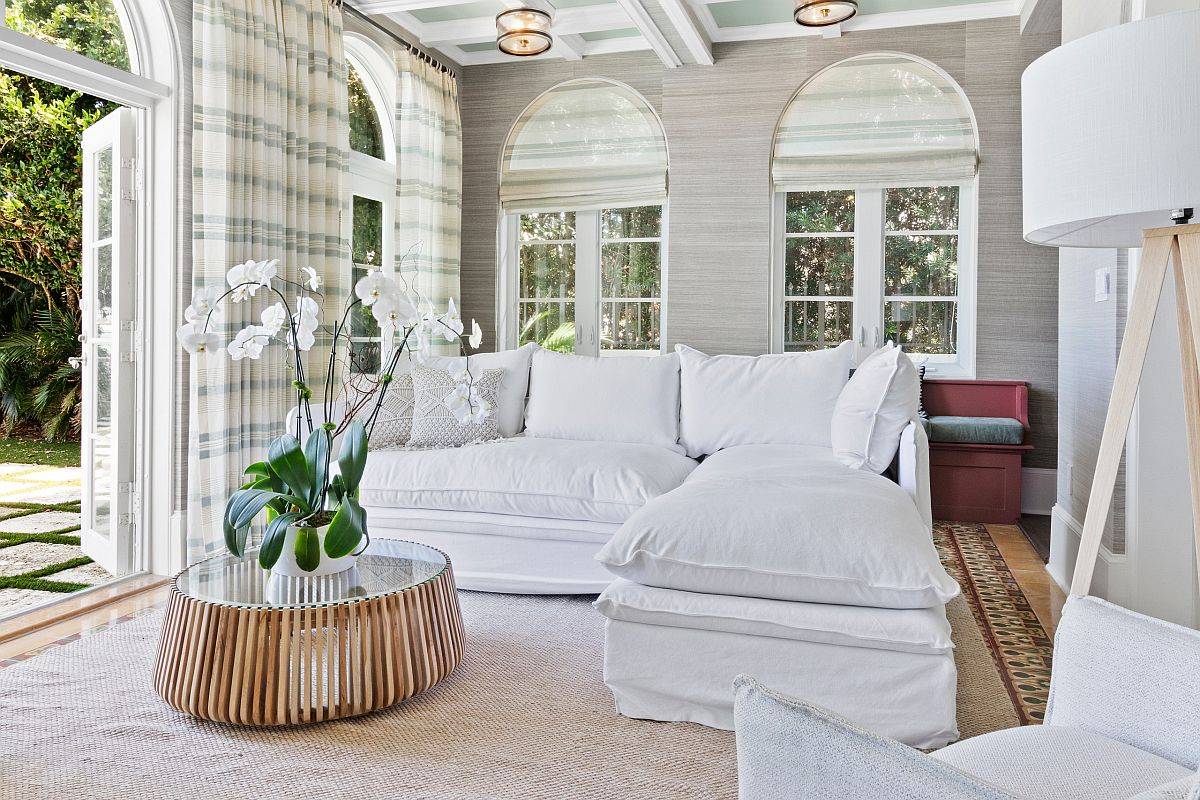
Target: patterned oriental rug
column 526, row 715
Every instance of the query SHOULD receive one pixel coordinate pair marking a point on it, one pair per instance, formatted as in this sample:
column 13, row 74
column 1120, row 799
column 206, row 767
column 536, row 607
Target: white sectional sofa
column 728, row 520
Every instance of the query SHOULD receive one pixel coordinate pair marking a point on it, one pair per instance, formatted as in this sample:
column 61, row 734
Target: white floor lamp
column 1111, row 127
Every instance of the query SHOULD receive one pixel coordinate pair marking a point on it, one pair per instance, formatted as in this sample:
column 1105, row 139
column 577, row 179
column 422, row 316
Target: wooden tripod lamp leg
column 1156, row 254
column 1187, row 293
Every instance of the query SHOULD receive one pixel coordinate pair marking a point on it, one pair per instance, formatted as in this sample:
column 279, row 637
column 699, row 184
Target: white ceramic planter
column 286, row 565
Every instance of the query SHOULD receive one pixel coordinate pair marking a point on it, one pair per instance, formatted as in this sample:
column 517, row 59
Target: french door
column 108, row 339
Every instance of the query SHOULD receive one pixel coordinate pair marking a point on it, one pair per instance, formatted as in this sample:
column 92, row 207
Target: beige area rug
column 526, row 716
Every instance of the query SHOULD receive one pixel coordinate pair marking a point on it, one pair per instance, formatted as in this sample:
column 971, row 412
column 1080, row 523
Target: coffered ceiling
column 678, row 31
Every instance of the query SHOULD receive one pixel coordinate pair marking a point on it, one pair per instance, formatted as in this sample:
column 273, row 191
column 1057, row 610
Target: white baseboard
column 1065, row 533
column 1039, row 490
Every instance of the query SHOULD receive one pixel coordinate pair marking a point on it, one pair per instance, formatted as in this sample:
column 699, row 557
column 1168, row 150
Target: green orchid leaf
column 346, row 530
column 353, row 457
column 287, row 460
column 258, row 468
column 272, row 543
column 243, row 506
column 308, row 549
column 316, row 453
column 337, row 490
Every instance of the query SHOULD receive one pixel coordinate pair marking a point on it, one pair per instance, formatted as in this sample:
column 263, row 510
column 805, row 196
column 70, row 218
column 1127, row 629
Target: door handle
column 77, row 362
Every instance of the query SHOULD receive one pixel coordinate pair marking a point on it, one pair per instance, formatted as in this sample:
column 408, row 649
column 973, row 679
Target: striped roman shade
column 880, row 118
column 584, row 144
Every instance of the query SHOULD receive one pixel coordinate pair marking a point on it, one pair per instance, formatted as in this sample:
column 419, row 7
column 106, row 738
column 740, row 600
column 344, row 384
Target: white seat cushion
column 1049, row 762
column 918, row 630
column 523, row 476
column 788, row 523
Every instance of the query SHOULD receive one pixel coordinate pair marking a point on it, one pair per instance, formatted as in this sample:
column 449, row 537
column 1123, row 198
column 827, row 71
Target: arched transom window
column 583, row 186
column 873, row 168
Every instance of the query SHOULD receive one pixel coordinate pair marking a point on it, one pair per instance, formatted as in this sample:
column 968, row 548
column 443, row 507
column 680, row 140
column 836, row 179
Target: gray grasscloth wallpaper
column 719, row 121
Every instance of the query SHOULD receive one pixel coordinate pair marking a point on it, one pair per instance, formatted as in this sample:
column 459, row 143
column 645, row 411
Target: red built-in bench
column 976, row 482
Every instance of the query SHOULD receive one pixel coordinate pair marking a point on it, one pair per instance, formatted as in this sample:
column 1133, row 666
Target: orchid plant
column 296, row 485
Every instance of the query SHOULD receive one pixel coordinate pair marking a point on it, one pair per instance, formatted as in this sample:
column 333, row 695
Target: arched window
column 873, row 168
column 583, row 187
column 370, row 90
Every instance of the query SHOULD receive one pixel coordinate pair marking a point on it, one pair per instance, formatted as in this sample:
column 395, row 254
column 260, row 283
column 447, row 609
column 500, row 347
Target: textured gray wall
column 719, row 121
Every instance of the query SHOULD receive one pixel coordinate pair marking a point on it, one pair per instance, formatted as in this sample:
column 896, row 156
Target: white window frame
column 151, row 87
column 588, row 243
column 868, row 298
column 369, row 177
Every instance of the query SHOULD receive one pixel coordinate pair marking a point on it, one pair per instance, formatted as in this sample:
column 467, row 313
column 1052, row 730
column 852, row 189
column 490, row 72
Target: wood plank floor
column 1042, row 592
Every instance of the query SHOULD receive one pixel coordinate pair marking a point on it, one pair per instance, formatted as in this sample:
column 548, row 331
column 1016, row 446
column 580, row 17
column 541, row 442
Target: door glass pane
column 820, row 212
column 104, row 193
column 630, row 325
column 366, row 134
column 101, row 440
column 816, row 324
column 104, row 291
column 817, row 266
column 630, row 269
column 921, row 266
column 922, row 208
column 641, row 222
column 366, row 246
column 546, row 282
column 631, row 278
column 923, row 327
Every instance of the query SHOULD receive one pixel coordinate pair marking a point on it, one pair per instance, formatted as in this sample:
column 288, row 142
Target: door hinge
column 130, row 192
column 133, row 342
column 133, row 500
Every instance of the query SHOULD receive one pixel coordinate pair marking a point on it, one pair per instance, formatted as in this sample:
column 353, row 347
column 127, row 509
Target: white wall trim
column 1112, row 580
column 1039, row 490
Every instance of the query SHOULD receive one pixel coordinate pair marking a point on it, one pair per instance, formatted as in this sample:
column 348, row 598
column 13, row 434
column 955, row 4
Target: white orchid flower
column 308, row 315
column 374, row 286
column 248, row 343
column 394, row 311
column 204, row 305
column 197, row 341
column 311, row 279
column 239, row 279
column 451, row 325
column 263, row 272
column 274, row 318
column 305, row 339
column 466, row 405
column 476, row 335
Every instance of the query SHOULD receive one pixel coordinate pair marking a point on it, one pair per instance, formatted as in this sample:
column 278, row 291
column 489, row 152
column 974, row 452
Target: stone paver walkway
column 39, row 536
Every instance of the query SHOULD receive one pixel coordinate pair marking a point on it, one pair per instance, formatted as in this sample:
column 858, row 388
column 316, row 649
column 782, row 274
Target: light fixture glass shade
column 819, row 13
column 523, row 31
column 1109, row 126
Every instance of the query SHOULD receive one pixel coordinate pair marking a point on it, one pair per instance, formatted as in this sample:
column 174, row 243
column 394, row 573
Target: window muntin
column 579, row 273
column 366, row 132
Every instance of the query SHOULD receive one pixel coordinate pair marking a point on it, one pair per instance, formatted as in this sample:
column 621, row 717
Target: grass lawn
column 32, row 451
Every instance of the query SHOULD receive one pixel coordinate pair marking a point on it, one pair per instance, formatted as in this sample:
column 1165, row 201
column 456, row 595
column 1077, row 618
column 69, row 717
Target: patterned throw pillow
column 393, row 426
column 434, row 424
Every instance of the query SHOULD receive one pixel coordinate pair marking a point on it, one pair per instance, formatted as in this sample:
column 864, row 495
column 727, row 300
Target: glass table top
column 387, row 566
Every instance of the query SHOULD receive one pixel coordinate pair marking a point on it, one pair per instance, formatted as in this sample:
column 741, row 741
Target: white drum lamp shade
column 1111, row 129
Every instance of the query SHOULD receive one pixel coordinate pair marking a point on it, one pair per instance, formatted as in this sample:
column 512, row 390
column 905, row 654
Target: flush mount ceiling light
column 819, row 13
column 523, row 31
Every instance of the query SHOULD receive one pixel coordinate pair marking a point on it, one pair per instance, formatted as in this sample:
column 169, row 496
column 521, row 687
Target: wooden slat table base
column 267, row 666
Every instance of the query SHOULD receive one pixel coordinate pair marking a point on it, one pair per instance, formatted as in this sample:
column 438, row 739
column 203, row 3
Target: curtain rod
column 409, row 46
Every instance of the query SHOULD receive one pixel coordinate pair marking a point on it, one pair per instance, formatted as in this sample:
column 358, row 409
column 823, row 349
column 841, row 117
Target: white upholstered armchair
column 1123, row 721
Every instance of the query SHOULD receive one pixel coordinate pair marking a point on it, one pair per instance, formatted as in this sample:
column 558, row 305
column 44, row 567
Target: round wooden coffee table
column 244, row 646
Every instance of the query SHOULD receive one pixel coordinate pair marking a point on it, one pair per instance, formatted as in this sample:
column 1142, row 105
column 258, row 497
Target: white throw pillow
column 783, row 522
column 784, row 398
column 434, row 424
column 510, row 409
column 610, row 399
column 874, row 408
column 393, row 425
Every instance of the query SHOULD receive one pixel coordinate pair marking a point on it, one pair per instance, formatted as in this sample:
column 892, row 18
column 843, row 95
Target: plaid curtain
column 584, row 144
column 428, row 177
column 270, row 148
column 882, row 117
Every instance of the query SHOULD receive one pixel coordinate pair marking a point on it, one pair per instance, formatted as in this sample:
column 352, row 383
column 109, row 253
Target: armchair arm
column 913, row 476
column 1128, row 677
column 789, row 749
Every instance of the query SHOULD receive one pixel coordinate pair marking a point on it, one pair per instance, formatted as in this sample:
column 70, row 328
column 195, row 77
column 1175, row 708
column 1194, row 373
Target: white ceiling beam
column 696, row 40
column 584, row 19
column 872, row 22
column 626, row 44
column 570, row 46
column 389, row 6
column 658, row 42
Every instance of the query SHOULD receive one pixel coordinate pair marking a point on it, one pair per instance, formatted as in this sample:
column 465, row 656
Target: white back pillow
column 510, row 407
column 611, row 399
column 874, row 408
column 784, row 398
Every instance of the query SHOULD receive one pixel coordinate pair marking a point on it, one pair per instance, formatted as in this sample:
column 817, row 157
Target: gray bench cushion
column 976, row 430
